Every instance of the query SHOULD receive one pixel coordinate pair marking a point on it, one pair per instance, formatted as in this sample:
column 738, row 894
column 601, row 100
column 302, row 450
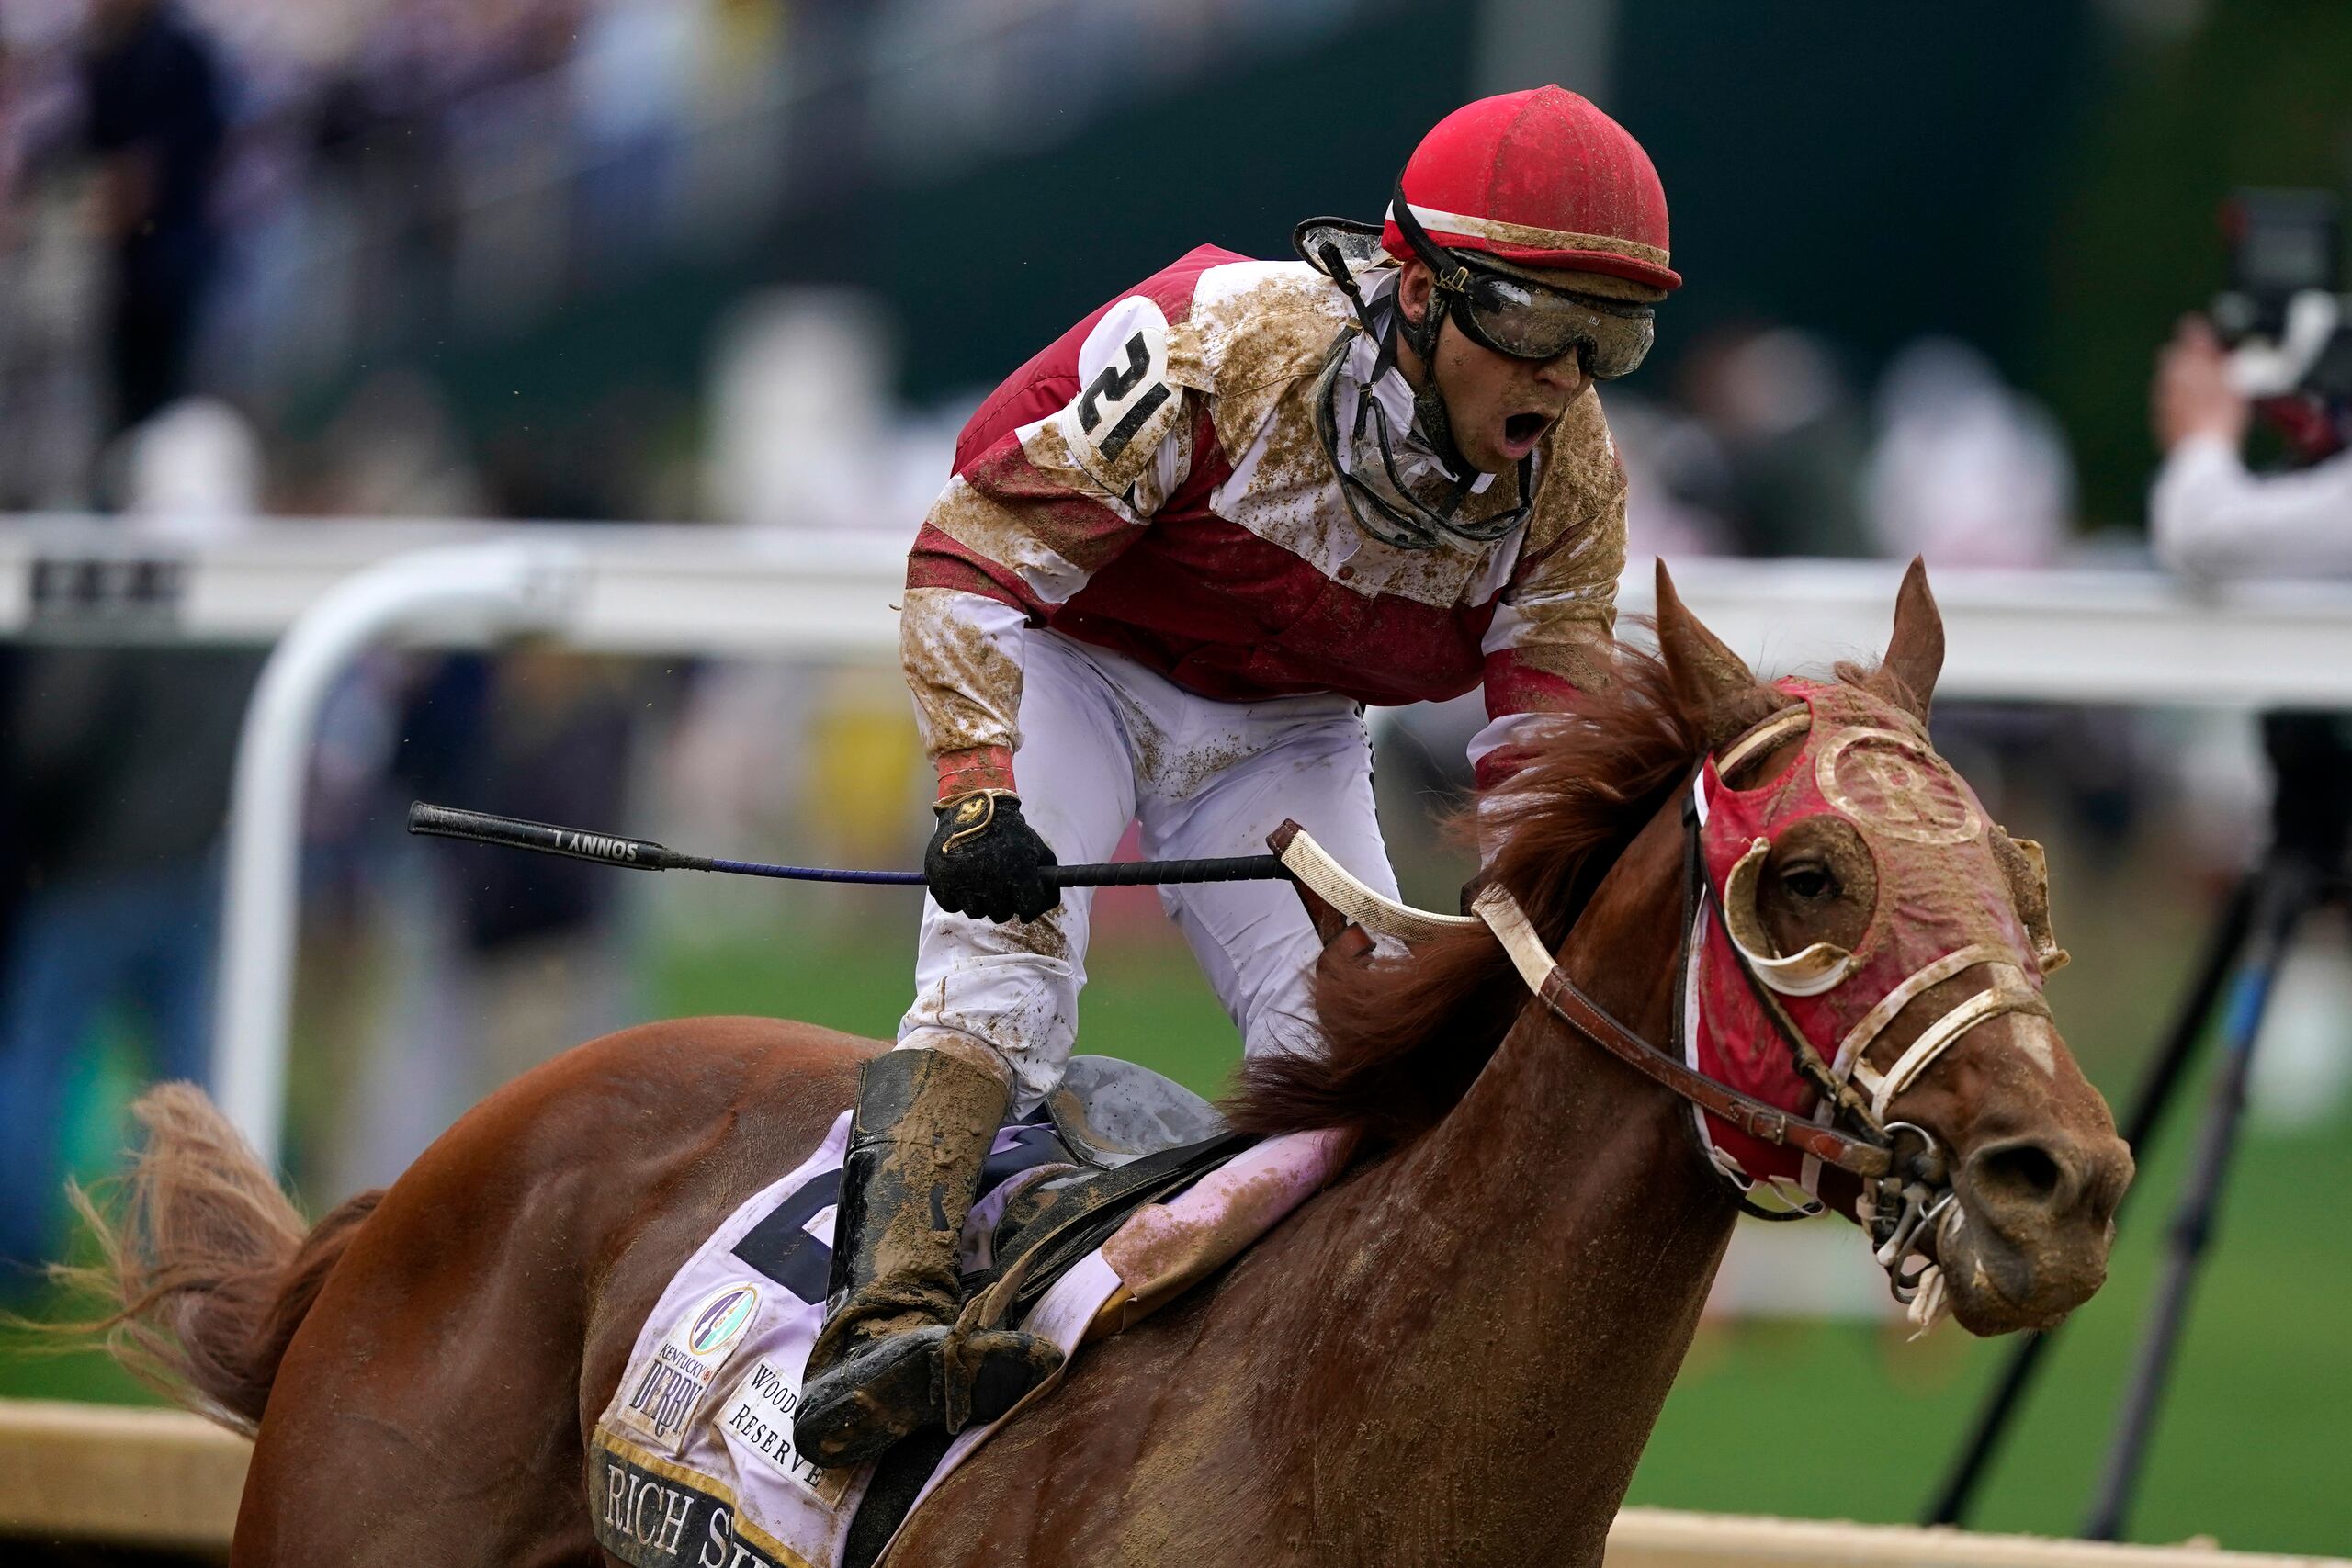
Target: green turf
column 2256, row 1444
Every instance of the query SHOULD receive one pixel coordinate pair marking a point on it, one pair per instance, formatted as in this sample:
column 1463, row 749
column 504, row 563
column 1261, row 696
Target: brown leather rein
column 1337, row 903
column 1567, row 1002
column 1750, row 1115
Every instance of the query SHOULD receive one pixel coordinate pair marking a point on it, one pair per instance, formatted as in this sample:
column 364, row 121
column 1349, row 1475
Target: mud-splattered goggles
column 1526, row 320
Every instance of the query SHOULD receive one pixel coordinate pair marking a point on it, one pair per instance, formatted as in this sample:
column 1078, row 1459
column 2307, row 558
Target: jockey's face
column 1499, row 407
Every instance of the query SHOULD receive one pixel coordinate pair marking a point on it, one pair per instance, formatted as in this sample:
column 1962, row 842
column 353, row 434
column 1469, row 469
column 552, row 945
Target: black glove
column 983, row 860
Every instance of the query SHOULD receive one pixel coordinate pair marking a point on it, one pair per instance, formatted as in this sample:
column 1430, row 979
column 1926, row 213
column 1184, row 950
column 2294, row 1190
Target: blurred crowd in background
column 753, row 262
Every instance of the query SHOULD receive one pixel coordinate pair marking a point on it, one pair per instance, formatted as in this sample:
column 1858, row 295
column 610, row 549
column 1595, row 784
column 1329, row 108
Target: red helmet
column 1541, row 179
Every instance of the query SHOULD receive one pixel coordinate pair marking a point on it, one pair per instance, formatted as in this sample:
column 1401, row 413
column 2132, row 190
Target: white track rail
column 2117, row 636
column 323, row 591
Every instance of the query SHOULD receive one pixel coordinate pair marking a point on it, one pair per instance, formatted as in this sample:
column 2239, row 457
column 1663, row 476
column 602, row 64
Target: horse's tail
column 205, row 1267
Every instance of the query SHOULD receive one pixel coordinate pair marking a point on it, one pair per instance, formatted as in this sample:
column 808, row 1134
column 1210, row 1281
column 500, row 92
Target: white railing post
column 490, row 589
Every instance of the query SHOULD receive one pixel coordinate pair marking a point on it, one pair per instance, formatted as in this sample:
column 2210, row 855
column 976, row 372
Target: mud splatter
column 1262, row 334
column 1045, row 936
column 1149, row 746
column 1055, row 540
column 1286, row 491
column 1579, row 282
column 1567, row 586
column 966, row 680
column 1262, row 350
column 1187, row 773
column 974, row 1054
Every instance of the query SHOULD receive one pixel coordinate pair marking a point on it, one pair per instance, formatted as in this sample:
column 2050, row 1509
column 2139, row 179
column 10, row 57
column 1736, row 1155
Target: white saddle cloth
column 692, row 1462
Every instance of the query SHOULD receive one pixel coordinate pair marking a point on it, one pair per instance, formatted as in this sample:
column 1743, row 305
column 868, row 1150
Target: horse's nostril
column 2024, row 1174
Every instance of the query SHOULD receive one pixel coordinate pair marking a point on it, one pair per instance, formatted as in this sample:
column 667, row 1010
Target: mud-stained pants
column 1104, row 741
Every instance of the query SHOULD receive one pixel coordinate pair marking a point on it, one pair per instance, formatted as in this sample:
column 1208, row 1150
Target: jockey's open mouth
column 1523, row 430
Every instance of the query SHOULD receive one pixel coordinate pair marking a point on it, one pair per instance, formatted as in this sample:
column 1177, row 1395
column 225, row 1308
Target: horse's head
column 1872, row 914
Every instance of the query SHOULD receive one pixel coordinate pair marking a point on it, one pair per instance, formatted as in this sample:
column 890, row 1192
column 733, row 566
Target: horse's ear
column 1915, row 654
column 1713, row 683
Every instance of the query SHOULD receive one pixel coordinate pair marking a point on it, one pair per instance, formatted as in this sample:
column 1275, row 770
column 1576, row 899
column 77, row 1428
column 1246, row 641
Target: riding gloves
column 984, row 860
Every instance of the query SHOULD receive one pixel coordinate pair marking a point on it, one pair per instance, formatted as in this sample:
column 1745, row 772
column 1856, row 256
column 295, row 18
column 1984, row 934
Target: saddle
column 1129, row 1136
column 1123, row 1137
column 1113, row 1137
column 1115, row 1197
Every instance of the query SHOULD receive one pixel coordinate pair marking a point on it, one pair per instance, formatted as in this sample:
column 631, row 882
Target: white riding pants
column 1105, row 741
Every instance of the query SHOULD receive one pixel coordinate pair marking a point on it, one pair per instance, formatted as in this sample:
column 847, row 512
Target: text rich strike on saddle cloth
column 692, row 1462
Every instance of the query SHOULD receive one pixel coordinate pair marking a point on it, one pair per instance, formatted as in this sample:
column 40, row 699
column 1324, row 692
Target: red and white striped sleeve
column 1555, row 622
column 1027, row 519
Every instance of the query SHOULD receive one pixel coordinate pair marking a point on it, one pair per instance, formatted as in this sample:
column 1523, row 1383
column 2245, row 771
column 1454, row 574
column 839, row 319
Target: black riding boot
column 876, row 1373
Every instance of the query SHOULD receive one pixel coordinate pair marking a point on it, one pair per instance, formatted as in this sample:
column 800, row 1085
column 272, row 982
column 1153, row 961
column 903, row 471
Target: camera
column 2288, row 329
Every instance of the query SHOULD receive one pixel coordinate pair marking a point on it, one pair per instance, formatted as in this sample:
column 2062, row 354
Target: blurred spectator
column 801, row 411
column 633, row 77
column 194, row 469
column 119, row 763
column 156, row 115
column 394, row 451
column 1778, row 410
column 119, row 760
column 2209, row 515
column 1671, row 459
column 47, row 329
column 1966, row 471
column 497, row 961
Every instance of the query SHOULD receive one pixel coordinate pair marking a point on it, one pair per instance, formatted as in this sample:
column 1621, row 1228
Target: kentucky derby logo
column 720, row 1320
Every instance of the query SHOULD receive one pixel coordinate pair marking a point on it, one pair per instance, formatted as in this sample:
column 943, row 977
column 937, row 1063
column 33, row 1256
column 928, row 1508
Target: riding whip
column 644, row 855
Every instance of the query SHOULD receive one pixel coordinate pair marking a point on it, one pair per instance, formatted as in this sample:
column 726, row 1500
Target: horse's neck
column 1542, row 1257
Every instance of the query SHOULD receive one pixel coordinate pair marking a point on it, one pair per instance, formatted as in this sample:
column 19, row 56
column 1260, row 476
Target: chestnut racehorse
column 1453, row 1355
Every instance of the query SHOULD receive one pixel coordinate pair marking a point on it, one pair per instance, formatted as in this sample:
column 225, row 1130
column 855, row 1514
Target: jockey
column 1181, row 549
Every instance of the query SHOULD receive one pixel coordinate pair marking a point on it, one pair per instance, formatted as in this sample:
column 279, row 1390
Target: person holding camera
column 2209, row 515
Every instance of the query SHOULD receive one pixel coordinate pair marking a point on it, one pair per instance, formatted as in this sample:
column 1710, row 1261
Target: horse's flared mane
column 1405, row 1037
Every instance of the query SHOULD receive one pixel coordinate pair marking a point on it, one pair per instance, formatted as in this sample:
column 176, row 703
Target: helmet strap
column 1429, row 403
column 1437, row 428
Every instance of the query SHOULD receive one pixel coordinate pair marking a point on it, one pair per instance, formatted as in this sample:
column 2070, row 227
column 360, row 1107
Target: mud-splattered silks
column 1952, row 885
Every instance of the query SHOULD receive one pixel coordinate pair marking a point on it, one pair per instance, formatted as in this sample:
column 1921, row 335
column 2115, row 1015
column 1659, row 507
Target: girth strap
column 1567, row 1003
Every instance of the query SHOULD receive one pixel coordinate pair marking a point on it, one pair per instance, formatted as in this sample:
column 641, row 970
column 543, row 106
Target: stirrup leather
column 885, row 1364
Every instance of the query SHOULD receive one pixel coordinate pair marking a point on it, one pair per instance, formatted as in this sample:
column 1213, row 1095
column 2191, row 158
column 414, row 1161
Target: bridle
column 1904, row 1176
column 1903, row 1173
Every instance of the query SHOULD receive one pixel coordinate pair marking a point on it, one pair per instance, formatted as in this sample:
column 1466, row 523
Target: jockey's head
column 1530, row 234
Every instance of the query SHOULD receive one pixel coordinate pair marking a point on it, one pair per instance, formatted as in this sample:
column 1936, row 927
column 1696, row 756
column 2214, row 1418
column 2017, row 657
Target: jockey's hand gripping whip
column 644, row 855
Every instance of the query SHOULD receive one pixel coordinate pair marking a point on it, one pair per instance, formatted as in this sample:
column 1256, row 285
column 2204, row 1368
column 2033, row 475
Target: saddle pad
column 692, row 1462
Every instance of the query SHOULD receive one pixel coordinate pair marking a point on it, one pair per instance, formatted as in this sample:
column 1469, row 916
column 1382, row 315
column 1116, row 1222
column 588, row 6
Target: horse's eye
column 1808, row 881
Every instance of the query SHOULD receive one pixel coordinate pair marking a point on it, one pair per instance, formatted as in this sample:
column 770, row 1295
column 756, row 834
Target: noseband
column 1900, row 1205
column 1904, row 1175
